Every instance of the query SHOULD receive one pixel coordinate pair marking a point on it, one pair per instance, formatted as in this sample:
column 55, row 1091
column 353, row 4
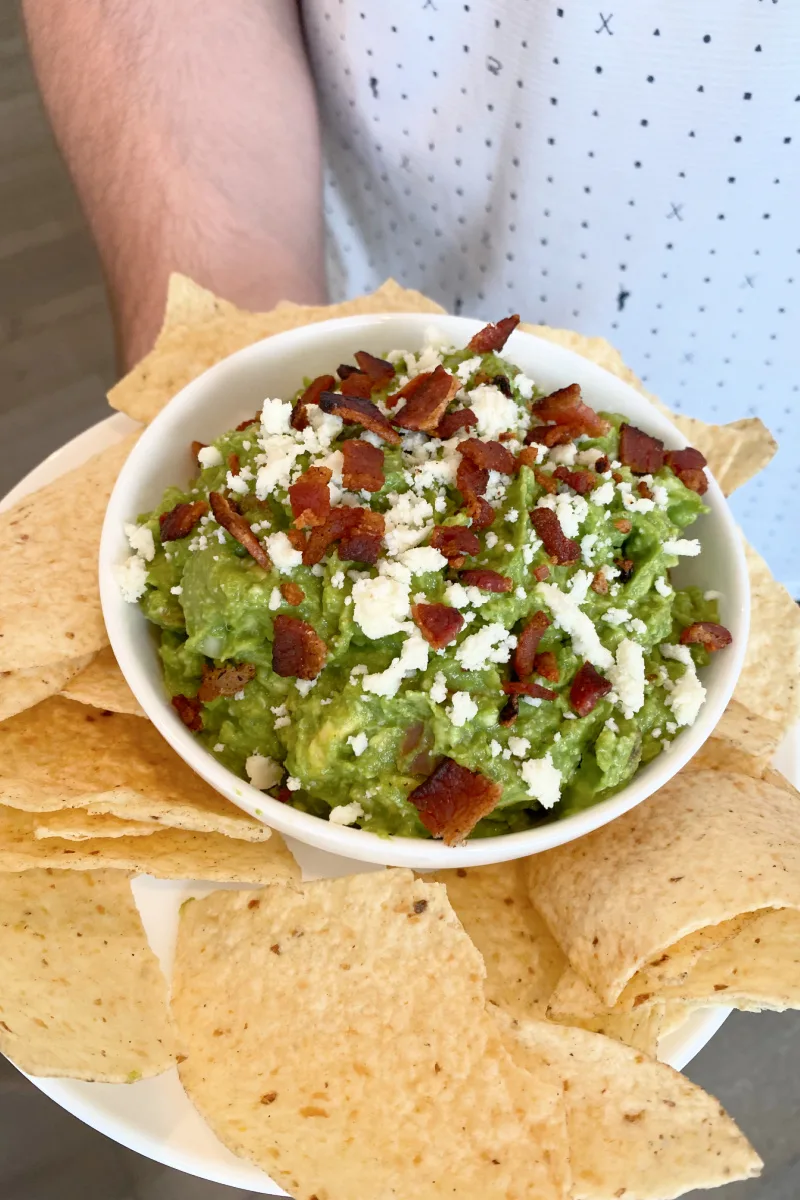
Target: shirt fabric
column 632, row 173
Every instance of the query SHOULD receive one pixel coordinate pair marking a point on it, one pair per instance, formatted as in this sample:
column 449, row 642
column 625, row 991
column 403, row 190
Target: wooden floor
column 56, row 362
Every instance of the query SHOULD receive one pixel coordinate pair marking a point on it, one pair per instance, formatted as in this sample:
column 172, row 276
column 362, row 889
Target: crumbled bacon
column 535, row 690
column 556, row 542
column 299, row 417
column 197, row 447
column 599, row 584
column 688, row 465
column 546, row 480
column 549, row 435
column 546, row 665
column 471, row 481
column 297, row 651
column 237, row 527
column 502, row 385
column 426, row 399
column 358, row 384
column 623, row 524
column 527, row 457
column 190, row 711
column 439, row 623
column 587, row 688
column 580, row 481
column 492, row 456
column 181, row 520
column 356, row 411
column 248, row 421
column 565, row 407
column 455, row 542
column 601, row 465
column 452, row 422
column 541, row 572
column 358, row 531
column 625, row 567
column 310, row 498
column 509, row 712
column 363, row 466
column 707, row 634
column 487, row 581
column 378, row 370
column 292, row 593
column 528, row 644
column 452, row 800
column 224, row 681
column 297, row 539
column 639, row 451
column 493, row 337
column 345, row 369
column 234, row 466
column 644, row 490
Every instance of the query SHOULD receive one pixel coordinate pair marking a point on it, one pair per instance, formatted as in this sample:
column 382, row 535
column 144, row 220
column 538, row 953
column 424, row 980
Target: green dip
column 355, row 736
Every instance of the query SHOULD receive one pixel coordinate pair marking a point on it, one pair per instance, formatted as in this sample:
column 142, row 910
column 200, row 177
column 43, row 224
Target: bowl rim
column 346, row 841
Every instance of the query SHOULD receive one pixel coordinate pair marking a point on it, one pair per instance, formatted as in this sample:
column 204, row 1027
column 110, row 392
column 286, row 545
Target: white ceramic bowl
column 233, row 390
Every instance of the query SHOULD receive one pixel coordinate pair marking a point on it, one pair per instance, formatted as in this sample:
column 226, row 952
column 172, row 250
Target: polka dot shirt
column 632, row 173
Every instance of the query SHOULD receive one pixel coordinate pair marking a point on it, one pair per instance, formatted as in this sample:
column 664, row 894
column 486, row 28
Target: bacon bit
column 565, row 407
column 535, row 690
column 487, row 581
column 297, row 539
column 452, row 800
column 237, row 527
column 549, row 435
column 377, row 369
column 292, row 593
column 601, row 465
column 545, row 480
column 299, row 417
column 502, row 385
column 439, row 623
column 356, row 411
column 492, row 456
column 363, row 466
column 181, row 520
column 617, row 476
column 528, row 644
column 455, row 542
column 639, row 451
column 362, row 541
column 297, row 651
column 248, row 421
column 346, row 369
column 310, row 498
column 546, row 665
column 556, row 543
column 471, row 481
column 625, row 567
column 234, row 465
column 189, row 709
column 426, row 399
column 509, row 712
column 285, row 796
column 644, row 490
column 580, row 481
column 688, row 465
column 587, row 688
column 224, row 681
column 623, row 525
column 452, row 422
column 197, row 447
column 541, row 572
column 527, row 457
column 493, row 337
column 508, row 436
column 707, row 634
column 481, row 513
column 599, row 584
column 357, row 385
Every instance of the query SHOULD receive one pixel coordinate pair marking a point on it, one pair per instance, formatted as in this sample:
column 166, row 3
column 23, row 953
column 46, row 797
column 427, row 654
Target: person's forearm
column 191, row 132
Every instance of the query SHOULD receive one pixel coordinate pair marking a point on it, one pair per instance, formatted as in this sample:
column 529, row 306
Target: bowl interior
column 235, row 389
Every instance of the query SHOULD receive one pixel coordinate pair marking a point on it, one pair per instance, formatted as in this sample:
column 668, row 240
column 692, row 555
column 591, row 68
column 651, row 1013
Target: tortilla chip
column 743, row 743
column 49, row 542
column 735, row 452
column 200, row 329
column 76, row 824
column 338, row 1038
column 770, row 680
column 636, row 1127
column 81, row 992
column 101, row 684
column 22, row 689
column 618, row 898
column 166, row 854
column 62, row 755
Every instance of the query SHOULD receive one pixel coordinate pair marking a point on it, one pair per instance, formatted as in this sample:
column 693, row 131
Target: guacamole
column 336, row 623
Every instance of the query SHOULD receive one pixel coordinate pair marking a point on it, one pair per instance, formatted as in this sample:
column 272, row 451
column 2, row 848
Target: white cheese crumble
column 568, row 616
column 496, row 413
column 612, row 725
column 543, row 780
column 304, row 686
column 689, row 547
column 491, row 540
column 587, row 458
column 237, row 483
column 381, row 605
column 283, row 554
column 494, row 748
column 709, row 595
column 140, row 540
column 177, row 590
column 413, row 657
column 467, row 368
column 662, row 587
column 409, row 520
column 512, row 516
column 131, row 577
column 524, row 385
column 462, row 709
column 616, row 616
column 438, row 689
column 588, row 543
column 564, row 455
column 519, row 746
column 262, row 771
column 275, row 599
column 570, row 510
column 627, row 676
column 602, row 495
column 209, row 456
column 491, row 644
column 359, row 743
column 276, row 416
column 423, row 558
column 687, row 694
column 345, row 814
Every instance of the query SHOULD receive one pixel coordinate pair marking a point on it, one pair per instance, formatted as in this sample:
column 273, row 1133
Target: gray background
column 56, row 360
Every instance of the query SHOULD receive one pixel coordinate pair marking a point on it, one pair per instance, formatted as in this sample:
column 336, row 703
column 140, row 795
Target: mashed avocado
column 387, row 707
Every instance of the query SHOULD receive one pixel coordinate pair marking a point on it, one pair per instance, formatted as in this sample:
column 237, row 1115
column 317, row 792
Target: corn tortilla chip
column 166, row 854
column 618, row 898
column 101, row 684
column 769, row 684
column 743, row 743
column 338, row 1037
column 81, row 992
column 636, row 1128
column 62, row 755
column 76, row 824
column 50, row 601
column 22, row 689
column 200, row 330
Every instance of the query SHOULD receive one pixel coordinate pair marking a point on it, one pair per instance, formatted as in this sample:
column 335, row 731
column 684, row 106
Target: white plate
column 154, row 1117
